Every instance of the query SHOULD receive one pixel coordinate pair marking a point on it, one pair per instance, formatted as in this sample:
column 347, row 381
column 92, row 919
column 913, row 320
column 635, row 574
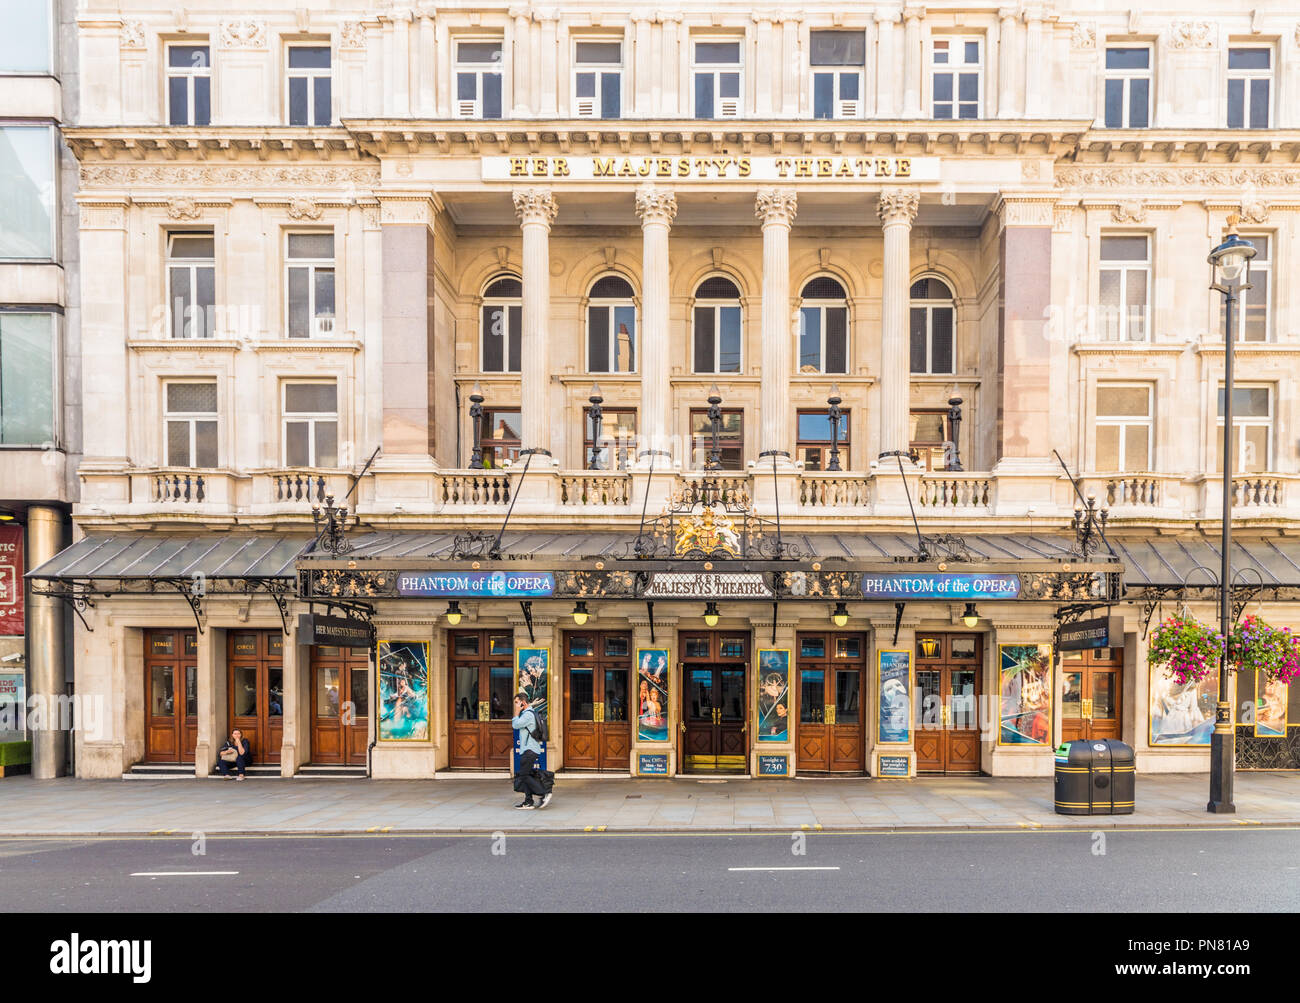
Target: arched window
column 823, row 327
column 933, row 323
column 717, row 326
column 503, row 321
column 611, row 327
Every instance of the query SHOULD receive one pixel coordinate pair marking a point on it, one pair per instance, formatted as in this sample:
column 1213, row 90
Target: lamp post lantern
column 954, row 424
column 833, row 413
column 715, row 425
column 476, row 416
column 1229, row 275
column 597, row 418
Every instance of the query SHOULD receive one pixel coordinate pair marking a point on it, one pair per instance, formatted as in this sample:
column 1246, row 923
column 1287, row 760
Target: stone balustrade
column 821, row 490
column 472, row 488
column 956, row 493
column 595, row 488
column 1257, row 492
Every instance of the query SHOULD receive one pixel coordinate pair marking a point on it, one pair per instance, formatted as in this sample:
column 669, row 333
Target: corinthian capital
column 654, row 205
column 535, row 205
column 775, row 205
column 898, row 206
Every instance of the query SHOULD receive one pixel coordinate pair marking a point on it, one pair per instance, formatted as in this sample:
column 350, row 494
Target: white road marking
column 180, row 874
column 783, row 868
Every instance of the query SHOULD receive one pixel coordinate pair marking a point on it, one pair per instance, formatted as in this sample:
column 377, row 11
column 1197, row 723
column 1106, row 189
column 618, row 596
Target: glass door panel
column 275, row 691
column 500, row 683
column 1072, row 698
column 191, row 691
column 466, row 692
column 360, row 679
column 962, row 698
column 582, row 697
column 847, row 696
column 732, row 702
column 615, row 695
column 1103, row 695
column 246, row 691
column 927, row 686
column 163, row 691
column 812, row 696
column 327, row 691
column 700, row 687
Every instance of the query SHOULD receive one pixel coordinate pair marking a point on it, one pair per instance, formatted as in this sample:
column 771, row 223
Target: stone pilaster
column 656, row 208
column 897, row 209
column 776, row 208
column 536, row 209
column 913, row 61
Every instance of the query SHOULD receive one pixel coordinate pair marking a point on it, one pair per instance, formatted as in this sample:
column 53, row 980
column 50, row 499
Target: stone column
column 536, row 210
column 1008, row 106
column 522, row 50
column 45, row 643
column 913, row 61
column 897, row 209
column 776, row 208
column 656, row 208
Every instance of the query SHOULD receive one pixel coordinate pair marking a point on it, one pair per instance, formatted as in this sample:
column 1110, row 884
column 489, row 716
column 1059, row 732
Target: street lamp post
column 715, row 425
column 1230, row 275
column 833, row 413
column 954, row 424
column 476, row 416
column 597, row 419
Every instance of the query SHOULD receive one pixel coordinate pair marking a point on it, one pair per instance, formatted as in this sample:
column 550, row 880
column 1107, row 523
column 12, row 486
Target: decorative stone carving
column 667, row 17
column 352, row 35
column 1083, row 36
column 1254, row 212
column 1062, row 218
column 776, row 205
column 132, row 35
column 1129, row 212
column 1192, row 35
column 101, row 216
column 1027, row 212
column 898, row 206
column 244, row 33
column 1182, row 177
column 654, row 205
column 304, row 209
column 183, row 209
column 535, row 205
column 262, row 176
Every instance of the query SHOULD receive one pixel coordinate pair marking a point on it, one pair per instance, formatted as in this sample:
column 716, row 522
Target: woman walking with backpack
column 529, row 781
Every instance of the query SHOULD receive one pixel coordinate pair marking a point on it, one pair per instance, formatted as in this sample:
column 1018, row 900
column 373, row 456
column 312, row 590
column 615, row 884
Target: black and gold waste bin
column 1095, row 777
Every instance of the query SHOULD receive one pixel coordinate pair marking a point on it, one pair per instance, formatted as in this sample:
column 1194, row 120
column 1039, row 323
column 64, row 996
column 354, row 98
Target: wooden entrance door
column 597, row 674
column 255, row 677
column 482, row 698
column 949, row 669
column 340, row 704
column 171, row 696
column 831, row 669
column 1091, row 701
column 715, row 725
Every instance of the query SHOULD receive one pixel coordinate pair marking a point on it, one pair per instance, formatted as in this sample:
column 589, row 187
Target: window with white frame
column 1124, row 426
column 191, row 284
column 932, row 322
column 190, row 423
column 1128, row 87
column 1250, row 87
column 597, row 78
column 27, row 42
column 29, row 378
column 611, row 327
column 309, row 85
column 478, row 78
column 717, row 74
column 957, row 77
column 1252, row 422
column 189, row 85
column 717, row 332
column 310, row 422
column 503, row 321
column 309, row 284
column 1124, row 291
column 1252, row 316
column 823, row 327
column 837, row 59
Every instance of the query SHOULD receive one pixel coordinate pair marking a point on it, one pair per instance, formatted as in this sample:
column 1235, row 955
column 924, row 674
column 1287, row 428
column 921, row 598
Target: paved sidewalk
column 102, row 807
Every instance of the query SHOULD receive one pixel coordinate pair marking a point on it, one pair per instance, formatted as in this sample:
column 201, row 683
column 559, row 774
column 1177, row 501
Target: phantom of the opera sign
column 712, row 168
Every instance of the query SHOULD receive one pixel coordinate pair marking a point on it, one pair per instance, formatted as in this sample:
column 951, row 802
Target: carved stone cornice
column 103, row 213
column 898, row 206
column 535, row 205
column 1136, row 177
column 776, row 206
column 1191, row 35
column 656, row 205
column 209, row 176
column 243, row 33
column 409, row 208
column 1029, row 211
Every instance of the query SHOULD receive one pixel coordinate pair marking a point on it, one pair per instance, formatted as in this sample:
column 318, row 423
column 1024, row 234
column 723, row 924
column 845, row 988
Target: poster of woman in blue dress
column 773, row 695
column 403, row 691
column 652, row 684
column 1026, row 694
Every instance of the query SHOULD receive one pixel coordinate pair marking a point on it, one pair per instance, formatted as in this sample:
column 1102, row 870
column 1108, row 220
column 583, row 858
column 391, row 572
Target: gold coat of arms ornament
column 711, row 531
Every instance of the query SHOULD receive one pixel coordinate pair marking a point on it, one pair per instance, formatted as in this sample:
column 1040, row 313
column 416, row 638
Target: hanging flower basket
column 1259, row 646
column 1187, row 648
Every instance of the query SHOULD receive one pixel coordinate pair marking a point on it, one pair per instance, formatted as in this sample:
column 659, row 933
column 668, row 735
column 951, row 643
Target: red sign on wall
column 11, row 581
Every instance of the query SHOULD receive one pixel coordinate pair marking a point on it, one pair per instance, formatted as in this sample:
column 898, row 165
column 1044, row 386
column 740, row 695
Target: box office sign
column 653, row 764
column 712, row 168
column 706, row 585
column 11, row 581
column 477, row 584
column 935, row 586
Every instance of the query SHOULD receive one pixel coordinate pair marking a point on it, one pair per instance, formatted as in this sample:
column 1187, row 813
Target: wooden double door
column 255, row 690
column 171, row 696
column 482, row 698
column 831, row 671
column 340, row 705
column 1092, row 691
column 715, row 702
column 949, row 669
column 598, row 718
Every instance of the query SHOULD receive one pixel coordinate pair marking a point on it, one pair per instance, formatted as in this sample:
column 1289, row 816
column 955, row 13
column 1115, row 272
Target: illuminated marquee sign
column 713, row 168
column 928, row 586
column 477, row 584
column 675, row 585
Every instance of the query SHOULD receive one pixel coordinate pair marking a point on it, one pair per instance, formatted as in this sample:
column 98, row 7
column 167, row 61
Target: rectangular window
column 309, row 85
column 1128, row 87
column 1252, row 419
column 189, row 85
column 1252, row 315
column 957, row 75
column 717, row 78
column 823, row 339
column 717, row 339
column 311, row 424
column 837, row 59
column 502, row 324
column 1125, row 288
column 309, row 279
column 1250, row 86
column 190, row 424
column 191, row 284
column 27, row 181
column 611, row 338
column 1124, row 429
column 28, row 373
column 813, row 439
column 501, row 436
column 928, row 438
column 731, row 439
column 478, row 79
column 616, row 446
column 27, row 42
column 598, row 79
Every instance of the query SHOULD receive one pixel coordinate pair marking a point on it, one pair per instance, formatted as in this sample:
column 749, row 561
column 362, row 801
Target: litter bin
column 1095, row 777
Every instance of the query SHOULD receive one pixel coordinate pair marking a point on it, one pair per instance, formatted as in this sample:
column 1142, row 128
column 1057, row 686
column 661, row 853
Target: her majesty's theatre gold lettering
column 712, row 168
